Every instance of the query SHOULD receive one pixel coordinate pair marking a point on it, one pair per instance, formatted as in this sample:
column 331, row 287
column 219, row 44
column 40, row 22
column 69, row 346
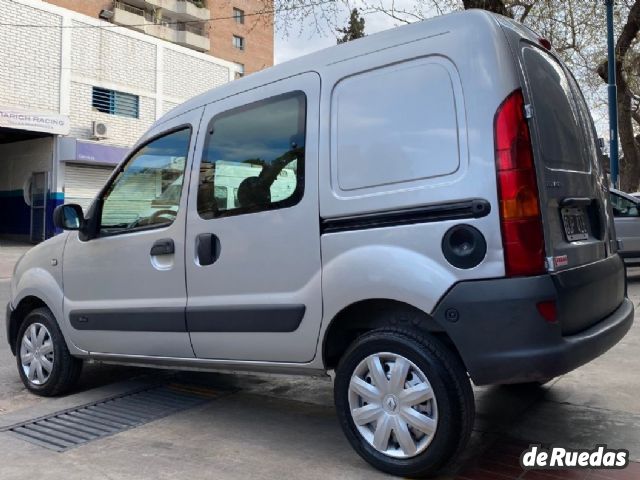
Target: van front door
column 253, row 235
column 125, row 291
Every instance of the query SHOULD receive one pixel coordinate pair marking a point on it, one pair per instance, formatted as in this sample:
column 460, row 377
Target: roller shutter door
column 83, row 182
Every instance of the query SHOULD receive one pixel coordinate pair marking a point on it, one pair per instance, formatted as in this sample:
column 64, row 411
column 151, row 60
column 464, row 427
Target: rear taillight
column 520, row 220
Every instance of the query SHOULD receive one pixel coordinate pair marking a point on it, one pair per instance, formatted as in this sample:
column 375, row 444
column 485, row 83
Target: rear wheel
column 404, row 401
column 45, row 365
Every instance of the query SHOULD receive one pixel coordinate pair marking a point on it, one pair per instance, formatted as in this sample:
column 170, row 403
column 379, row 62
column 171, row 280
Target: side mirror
column 68, row 217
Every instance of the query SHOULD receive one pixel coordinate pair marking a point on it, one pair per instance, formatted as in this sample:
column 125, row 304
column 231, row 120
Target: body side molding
column 476, row 208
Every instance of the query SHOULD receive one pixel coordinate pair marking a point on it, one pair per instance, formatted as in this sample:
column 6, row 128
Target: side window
column 623, row 207
column 146, row 192
column 253, row 158
column 380, row 140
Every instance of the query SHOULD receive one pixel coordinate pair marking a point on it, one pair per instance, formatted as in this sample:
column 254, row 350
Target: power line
column 215, row 19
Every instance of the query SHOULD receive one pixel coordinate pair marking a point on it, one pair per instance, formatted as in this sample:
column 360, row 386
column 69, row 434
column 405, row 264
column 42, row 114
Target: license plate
column 575, row 224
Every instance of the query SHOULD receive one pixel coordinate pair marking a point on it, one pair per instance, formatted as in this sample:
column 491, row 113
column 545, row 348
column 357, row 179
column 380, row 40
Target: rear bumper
column 502, row 337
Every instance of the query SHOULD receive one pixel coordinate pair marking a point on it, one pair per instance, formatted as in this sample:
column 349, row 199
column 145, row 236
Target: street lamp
column 613, row 96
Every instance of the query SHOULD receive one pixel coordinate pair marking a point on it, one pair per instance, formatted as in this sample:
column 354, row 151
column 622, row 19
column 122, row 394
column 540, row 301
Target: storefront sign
column 34, row 121
column 103, row 154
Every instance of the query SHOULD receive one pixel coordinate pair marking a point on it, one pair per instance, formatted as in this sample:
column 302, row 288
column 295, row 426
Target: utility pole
column 613, row 96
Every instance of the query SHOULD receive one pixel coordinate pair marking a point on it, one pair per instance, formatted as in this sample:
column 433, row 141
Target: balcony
column 191, row 37
column 184, row 10
column 180, row 21
column 129, row 16
column 187, row 10
column 160, row 31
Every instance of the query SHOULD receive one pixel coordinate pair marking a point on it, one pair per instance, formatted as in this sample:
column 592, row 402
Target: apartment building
column 75, row 94
column 240, row 31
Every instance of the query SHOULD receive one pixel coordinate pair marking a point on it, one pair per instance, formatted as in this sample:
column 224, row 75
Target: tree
column 626, row 63
column 495, row 6
column 576, row 28
column 355, row 28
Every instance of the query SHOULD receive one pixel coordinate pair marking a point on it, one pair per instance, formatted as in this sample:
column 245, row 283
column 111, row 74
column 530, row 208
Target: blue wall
column 15, row 214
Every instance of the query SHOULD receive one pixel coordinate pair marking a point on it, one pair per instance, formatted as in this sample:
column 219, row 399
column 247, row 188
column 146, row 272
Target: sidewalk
column 10, row 252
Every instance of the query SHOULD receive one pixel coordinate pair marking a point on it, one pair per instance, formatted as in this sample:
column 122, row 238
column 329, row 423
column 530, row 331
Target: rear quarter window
column 560, row 132
column 394, row 126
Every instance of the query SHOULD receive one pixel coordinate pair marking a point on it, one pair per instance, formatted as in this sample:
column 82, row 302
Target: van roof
column 440, row 25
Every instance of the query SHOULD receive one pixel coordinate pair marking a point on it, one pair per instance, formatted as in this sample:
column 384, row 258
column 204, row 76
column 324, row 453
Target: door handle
column 207, row 248
column 164, row 246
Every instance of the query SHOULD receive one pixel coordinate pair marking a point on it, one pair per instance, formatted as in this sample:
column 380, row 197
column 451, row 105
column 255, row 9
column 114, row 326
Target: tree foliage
column 354, row 29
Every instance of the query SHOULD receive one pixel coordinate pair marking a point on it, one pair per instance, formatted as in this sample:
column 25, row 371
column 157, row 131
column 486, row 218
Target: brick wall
column 168, row 106
column 54, row 69
column 186, row 76
column 86, row 7
column 29, row 58
column 115, row 57
column 257, row 31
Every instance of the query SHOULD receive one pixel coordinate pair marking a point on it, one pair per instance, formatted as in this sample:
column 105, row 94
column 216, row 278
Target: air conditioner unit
column 105, row 14
column 99, row 130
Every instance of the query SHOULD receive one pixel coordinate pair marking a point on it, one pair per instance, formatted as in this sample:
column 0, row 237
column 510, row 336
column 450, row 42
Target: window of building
column 257, row 153
column 240, row 71
column 146, row 193
column 115, row 103
column 238, row 42
column 238, row 15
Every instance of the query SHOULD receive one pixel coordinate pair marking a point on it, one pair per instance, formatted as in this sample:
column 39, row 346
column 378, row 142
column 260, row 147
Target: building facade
column 240, row 31
column 75, row 94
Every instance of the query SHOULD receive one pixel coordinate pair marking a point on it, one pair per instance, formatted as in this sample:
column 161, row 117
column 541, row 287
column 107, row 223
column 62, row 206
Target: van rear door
column 571, row 181
column 573, row 191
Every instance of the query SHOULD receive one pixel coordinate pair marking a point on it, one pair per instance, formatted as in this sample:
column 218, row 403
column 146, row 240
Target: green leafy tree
column 355, row 28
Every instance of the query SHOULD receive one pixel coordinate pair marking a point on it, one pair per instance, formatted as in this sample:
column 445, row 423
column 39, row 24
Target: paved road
column 272, row 427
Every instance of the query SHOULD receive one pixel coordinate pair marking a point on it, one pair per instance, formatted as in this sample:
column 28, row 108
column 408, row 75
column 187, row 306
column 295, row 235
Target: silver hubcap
column 36, row 354
column 392, row 405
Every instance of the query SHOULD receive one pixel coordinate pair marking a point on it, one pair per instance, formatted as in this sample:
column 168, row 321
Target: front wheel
column 45, row 365
column 404, row 402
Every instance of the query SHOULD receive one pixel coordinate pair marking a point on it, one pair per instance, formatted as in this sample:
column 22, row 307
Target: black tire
column 66, row 368
column 450, row 385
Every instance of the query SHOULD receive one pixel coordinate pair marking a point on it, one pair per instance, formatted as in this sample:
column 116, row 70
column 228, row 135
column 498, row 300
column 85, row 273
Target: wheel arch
column 27, row 304
column 366, row 315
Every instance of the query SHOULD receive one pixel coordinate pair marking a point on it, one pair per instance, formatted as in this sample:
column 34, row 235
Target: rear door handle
column 207, row 248
column 164, row 246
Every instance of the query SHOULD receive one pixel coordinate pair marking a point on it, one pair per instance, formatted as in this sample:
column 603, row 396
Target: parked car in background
column 413, row 210
column 626, row 212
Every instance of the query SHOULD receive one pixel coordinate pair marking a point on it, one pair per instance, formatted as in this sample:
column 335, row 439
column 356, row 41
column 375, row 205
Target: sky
column 308, row 40
column 305, row 40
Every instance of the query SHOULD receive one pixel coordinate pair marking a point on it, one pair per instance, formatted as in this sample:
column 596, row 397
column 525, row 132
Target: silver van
column 414, row 210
